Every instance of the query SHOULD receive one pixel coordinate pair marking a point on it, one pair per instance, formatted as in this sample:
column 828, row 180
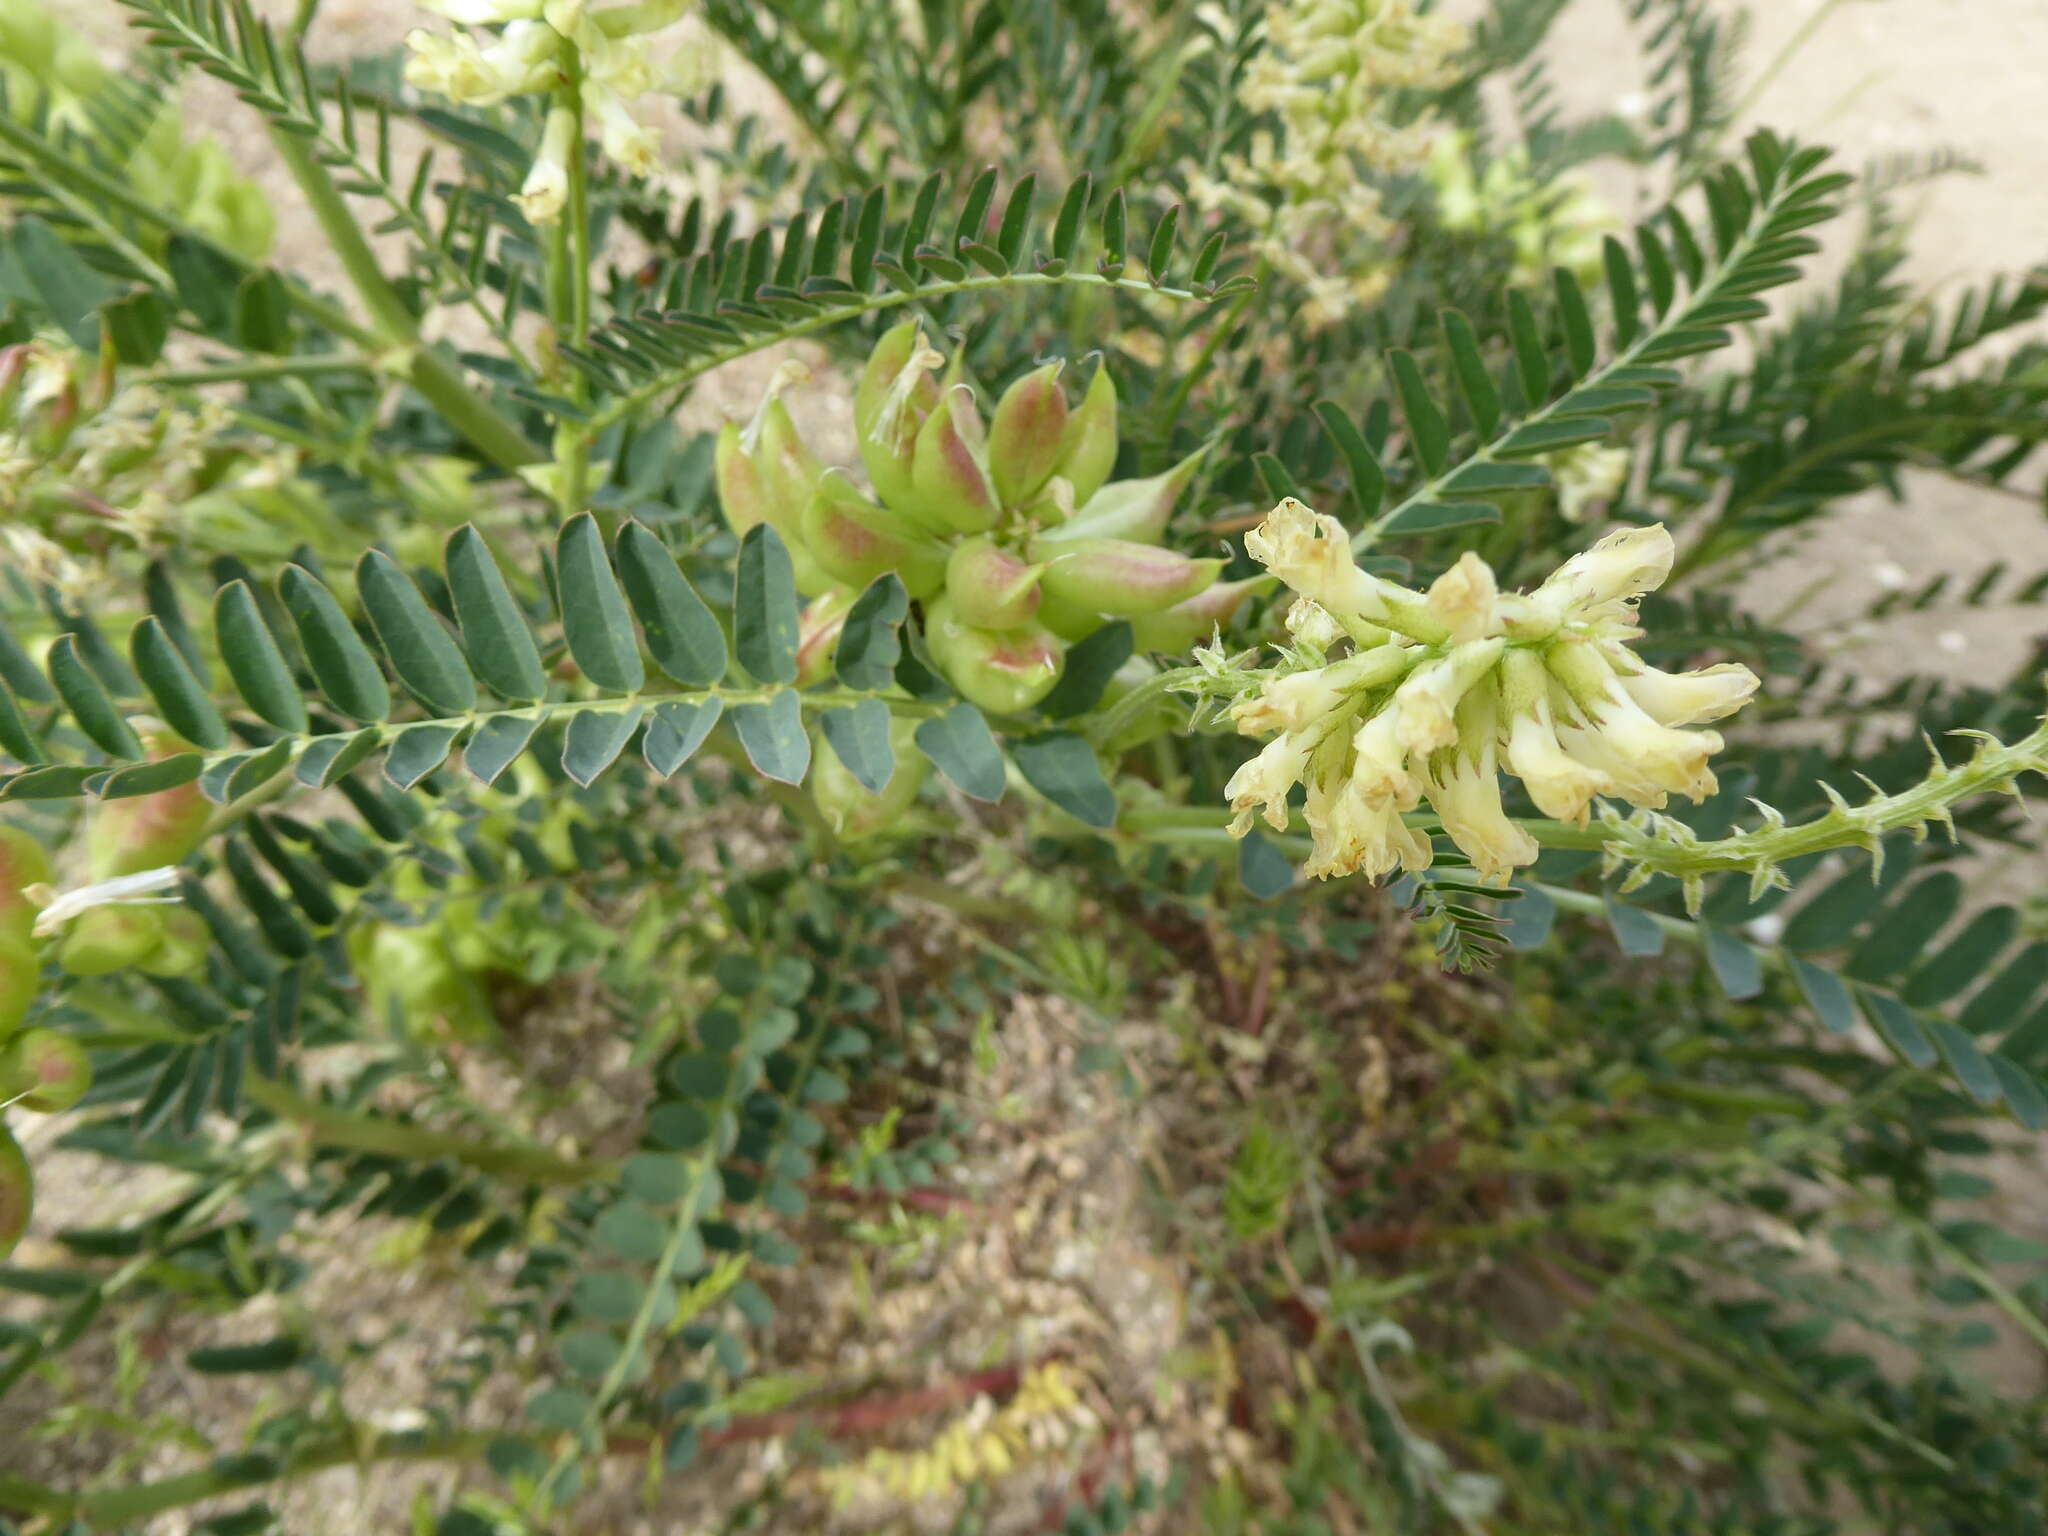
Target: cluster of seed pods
column 1008, row 531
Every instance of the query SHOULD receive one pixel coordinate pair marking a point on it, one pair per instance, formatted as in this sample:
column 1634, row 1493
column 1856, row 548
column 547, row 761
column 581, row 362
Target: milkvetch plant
column 483, row 790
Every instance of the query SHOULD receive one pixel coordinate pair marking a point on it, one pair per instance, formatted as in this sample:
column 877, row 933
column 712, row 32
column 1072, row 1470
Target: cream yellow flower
column 546, row 190
column 1445, row 690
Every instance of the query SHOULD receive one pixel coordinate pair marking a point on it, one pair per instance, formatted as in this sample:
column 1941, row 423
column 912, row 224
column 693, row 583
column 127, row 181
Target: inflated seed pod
column 1129, row 509
column 850, row 808
column 988, row 586
column 44, row 1071
column 22, row 864
column 950, row 483
column 17, row 1193
column 817, row 634
column 1027, row 435
column 1005, row 671
column 895, row 394
column 855, row 540
column 1088, row 453
column 1193, row 620
column 20, row 979
column 1121, row 577
column 102, row 940
column 747, row 497
column 185, row 945
column 125, row 837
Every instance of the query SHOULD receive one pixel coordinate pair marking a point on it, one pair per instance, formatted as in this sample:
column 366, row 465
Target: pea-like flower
column 1441, row 691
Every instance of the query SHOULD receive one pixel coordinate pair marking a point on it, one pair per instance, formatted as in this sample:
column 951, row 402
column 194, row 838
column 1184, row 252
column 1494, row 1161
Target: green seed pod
column 989, row 587
column 22, row 864
column 1129, row 509
column 45, row 1071
column 895, row 394
column 1088, row 453
column 1122, row 578
column 1190, row 622
column 1005, row 671
column 817, row 635
column 852, row 810
column 746, row 496
column 20, row 979
column 142, row 832
column 17, row 1193
column 1027, row 435
column 102, row 940
column 950, row 483
column 855, row 541
column 186, row 943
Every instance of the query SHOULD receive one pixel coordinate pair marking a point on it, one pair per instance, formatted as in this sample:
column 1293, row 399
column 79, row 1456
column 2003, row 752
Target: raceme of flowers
column 1389, row 697
column 539, row 47
column 1328, row 76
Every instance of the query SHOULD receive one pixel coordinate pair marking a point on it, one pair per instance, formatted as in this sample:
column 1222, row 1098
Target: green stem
column 438, row 381
column 256, row 369
column 336, row 1127
column 1218, row 334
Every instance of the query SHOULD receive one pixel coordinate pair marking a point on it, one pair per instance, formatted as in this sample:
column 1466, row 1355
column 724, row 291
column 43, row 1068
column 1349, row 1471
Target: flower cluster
column 1329, row 76
column 541, row 47
column 1390, row 697
column 1008, row 530
column 1554, row 221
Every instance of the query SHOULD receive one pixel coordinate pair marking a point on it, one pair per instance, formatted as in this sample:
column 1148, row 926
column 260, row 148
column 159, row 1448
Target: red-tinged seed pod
column 949, row 477
column 1130, row 509
column 789, row 470
column 1064, row 619
column 895, row 394
column 742, row 494
column 17, row 1193
column 142, row 832
column 853, row 811
column 186, row 943
column 1088, row 453
column 44, row 1071
column 1005, row 671
column 13, row 369
column 1190, row 622
column 1122, row 578
column 103, row 940
column 52, row 429
column 1027, row 434
column 855, row 541
column 20, row 979
column 817, row 635
column 22, row 864
column 989, row 587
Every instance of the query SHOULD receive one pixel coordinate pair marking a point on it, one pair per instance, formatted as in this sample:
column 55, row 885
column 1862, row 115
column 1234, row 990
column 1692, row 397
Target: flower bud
column 44, row 1071
column 106, row 939
column 989, row 587
column 17, row 1193
column 546, row 189
column 1026, row 438
column 854, row 541
column 1088, row 451
column 950, row 483
column 895, row 394
column 142, row 832
column 20, row 980
column 22, row 864
column 1119, row 577
column 1129, row 509
column 853, row 811
column 1192, row 620
column 817, row 635
column 1602, row 584
column 1005, row 671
